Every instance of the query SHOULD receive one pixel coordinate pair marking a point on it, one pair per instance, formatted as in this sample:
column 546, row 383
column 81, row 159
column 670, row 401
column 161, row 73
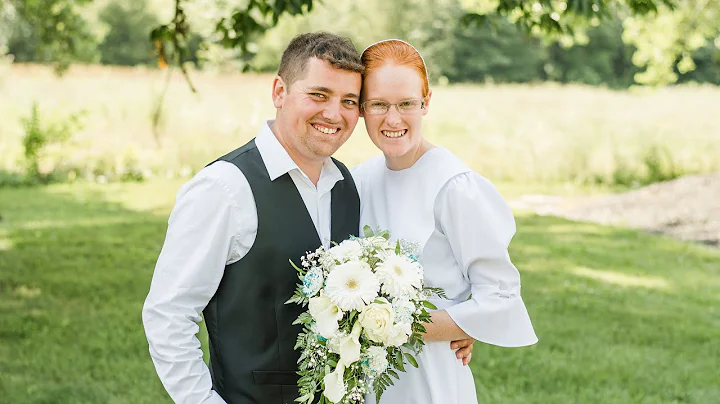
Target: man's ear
column 427, row 103
column 279, row 91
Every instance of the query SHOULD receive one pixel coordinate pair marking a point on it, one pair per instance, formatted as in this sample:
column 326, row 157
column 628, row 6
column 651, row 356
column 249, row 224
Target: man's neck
column 312, row 168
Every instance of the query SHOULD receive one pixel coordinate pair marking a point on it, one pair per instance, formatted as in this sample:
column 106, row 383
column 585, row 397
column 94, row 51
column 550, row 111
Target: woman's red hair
column 395, row 52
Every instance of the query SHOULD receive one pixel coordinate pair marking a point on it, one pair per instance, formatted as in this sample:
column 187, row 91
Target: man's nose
column 331, row 112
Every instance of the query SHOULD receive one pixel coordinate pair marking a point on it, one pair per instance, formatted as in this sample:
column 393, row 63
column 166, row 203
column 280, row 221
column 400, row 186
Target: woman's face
column 395, row 132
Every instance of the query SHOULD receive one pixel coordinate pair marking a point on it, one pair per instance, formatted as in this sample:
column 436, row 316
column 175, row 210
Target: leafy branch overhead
column 237, row 30
column 551, row 17
column 664, row 34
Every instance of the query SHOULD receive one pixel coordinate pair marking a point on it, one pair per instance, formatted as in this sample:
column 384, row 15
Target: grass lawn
column 622, row 316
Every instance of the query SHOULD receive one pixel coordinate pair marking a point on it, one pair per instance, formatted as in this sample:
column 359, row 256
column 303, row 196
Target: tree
column 667, row 39
column 126, row 42
column 47, row 30
column 665, row 32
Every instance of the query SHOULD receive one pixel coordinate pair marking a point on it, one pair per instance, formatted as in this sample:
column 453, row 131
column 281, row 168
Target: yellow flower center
column 352, row 284
column 398, row 271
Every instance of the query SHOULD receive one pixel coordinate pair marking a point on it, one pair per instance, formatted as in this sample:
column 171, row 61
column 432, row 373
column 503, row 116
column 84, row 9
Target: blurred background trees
column 615, row 43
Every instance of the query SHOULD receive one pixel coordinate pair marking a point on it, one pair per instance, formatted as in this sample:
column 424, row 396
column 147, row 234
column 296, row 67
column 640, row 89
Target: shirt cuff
column 214, row 399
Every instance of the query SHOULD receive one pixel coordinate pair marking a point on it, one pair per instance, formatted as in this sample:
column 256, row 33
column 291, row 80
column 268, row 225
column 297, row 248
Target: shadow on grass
column 622, row 317
column 74, row 272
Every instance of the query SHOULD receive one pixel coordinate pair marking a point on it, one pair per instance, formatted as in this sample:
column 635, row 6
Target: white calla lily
column 348, row 346
column 326, row 315
column 334, row 385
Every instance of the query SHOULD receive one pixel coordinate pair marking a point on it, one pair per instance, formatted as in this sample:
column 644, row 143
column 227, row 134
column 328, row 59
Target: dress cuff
column 495, row 316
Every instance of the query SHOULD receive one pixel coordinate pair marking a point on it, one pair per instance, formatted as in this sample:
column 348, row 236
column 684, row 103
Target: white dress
column 463, row 227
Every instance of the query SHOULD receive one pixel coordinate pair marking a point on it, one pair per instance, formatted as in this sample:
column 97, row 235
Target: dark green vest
column 250, row 328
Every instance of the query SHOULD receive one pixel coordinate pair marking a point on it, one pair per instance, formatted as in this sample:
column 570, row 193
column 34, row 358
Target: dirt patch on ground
column 687, row 208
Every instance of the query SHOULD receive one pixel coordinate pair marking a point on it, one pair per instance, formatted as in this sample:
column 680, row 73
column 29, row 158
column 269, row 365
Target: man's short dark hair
column 336, row 50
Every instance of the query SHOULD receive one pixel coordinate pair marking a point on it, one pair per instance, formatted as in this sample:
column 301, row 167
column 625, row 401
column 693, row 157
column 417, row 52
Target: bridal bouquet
column 366, row 305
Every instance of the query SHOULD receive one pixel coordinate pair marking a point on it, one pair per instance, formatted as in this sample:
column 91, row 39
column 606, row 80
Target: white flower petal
column 399, row 276
column 398, row 335
column 334, row 385
column 348, row 347
column 376, row 362
column 377, row 320
column 348, row 250
column 351, row 286
column 326, row 315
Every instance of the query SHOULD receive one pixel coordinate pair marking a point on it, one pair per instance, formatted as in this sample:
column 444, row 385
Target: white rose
column 348, row 346
column 326, row 315
column 398, row 334
column 334, row 385
column 377, row 320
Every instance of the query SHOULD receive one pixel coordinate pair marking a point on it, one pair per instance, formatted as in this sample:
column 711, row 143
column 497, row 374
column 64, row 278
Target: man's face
column 318, row 113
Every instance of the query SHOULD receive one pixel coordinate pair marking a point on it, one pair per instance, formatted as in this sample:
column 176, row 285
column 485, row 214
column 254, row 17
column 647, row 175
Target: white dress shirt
column 213, row 224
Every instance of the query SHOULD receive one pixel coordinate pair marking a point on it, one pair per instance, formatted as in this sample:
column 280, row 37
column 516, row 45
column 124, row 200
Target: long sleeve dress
column 461, row 227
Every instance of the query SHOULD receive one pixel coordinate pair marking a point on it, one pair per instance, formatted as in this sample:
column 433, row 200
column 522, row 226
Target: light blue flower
column 313, row 281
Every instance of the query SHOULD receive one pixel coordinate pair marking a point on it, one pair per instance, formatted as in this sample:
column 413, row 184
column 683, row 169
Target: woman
column 456, row 218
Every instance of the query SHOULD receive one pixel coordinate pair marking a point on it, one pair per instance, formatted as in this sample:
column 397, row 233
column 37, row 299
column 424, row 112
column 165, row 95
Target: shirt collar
column 278, row 161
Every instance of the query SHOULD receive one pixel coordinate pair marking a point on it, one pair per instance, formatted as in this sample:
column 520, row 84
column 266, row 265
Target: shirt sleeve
column 213, row 223
column 479, row 226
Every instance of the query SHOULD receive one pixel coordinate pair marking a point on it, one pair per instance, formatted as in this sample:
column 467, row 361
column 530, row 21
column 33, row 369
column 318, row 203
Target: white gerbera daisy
column 352, row 285
column 399, row 275
column 348, row 250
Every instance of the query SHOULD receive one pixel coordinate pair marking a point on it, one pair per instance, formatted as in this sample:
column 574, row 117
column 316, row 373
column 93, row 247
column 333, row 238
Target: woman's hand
column 464, row 348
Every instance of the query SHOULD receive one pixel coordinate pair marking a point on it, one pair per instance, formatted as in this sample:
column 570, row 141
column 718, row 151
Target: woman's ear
column 278, row 92
column 427, row 102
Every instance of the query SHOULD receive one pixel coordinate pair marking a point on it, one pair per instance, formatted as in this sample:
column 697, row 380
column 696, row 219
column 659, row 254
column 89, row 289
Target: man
column 240, row 219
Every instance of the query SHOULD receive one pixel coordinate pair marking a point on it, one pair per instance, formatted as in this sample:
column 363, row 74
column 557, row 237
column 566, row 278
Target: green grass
column 622, row 316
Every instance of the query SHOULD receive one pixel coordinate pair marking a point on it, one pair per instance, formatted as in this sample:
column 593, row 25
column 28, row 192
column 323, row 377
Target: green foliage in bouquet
column 367, row 304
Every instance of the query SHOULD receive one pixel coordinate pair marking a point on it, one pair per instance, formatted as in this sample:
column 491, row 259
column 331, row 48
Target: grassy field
column 540, row 133
column 622, row 316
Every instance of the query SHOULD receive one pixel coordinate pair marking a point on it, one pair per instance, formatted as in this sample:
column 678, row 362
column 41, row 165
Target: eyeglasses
column 377, row 107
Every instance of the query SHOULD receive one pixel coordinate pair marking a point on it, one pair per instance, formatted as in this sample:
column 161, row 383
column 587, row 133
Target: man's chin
column 324, row 151
column 327, row 149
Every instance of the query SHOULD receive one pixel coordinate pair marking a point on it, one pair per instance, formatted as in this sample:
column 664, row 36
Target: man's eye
column 407, row 104
column 318, row 95
column 350, row 102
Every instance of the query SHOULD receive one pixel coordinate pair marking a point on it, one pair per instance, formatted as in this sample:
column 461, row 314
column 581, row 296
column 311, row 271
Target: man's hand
column 464, row 349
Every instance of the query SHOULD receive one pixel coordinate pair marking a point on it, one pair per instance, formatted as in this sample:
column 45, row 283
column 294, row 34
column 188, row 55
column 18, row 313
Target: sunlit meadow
column 523, row 133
